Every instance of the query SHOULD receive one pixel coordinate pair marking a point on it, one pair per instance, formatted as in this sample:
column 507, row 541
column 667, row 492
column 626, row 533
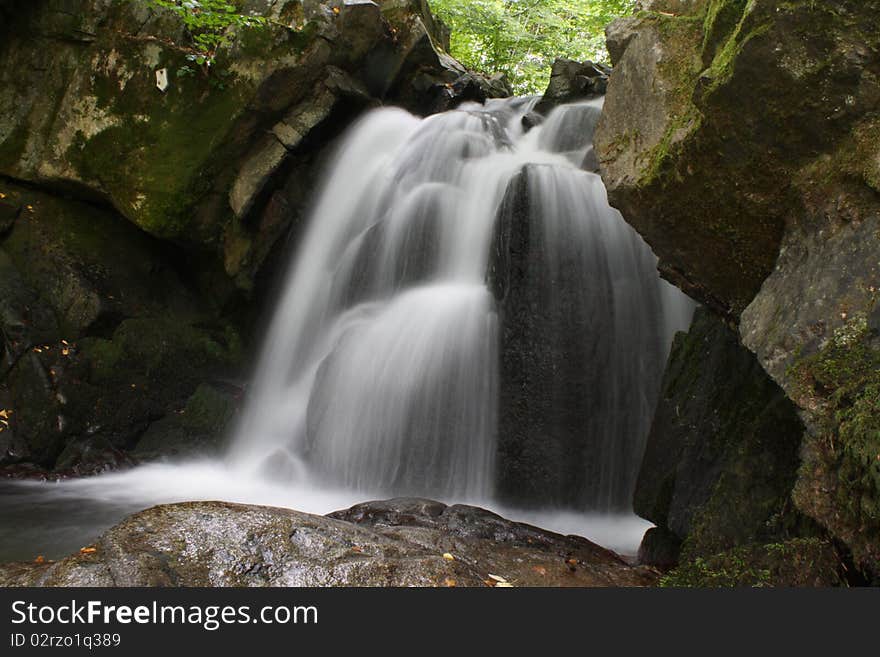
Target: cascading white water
column 381, row 372
column 380, row 367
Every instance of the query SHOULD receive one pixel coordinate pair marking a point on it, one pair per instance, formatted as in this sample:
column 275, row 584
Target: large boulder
column 741, row 140
column 198, row 162
column 716, row 106
column 405, row 542
column 581, row 345
column 722, row 455
column 571, row 81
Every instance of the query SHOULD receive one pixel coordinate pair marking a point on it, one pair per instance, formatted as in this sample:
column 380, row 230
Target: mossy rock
column 809, row 562
column 722, row 456
column 91, row 266
column 37, row 420
column 711, row 110
column 158, row 352
column 83, row 113
column 112, row 390
column 840, row 478
column 198, row 428
column 746, row 153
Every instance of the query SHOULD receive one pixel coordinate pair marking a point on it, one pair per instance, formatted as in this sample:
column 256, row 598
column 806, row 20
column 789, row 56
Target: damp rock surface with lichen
column 401, row 542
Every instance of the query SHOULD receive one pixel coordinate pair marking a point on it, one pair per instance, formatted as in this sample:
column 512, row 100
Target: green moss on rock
column 199, row 427
column 157, row 351
column 157, row 161
column 722, row 19
column 722, row 455
column 798, row 562
column 840, row 384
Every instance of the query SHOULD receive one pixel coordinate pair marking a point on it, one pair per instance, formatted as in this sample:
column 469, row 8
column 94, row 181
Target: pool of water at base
column 54, row 519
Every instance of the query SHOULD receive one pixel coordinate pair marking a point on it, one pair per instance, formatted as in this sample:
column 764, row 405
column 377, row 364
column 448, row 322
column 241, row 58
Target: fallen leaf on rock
column 449, row 582
column 448, row 556
column 540, row 570
column 88, row 550
column 357, row 548
column 497, row 578
column 40, row 559
column 503, row 585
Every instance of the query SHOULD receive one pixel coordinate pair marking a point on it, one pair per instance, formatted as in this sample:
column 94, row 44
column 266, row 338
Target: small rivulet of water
column 466, row 319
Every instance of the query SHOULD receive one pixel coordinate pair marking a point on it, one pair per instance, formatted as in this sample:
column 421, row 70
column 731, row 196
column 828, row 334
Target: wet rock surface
column 571, row 313
column 402, row 542
column 741, row 140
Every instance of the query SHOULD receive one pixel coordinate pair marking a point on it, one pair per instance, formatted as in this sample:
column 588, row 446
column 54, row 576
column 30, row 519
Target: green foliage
column 208, row 24
column 521, row 38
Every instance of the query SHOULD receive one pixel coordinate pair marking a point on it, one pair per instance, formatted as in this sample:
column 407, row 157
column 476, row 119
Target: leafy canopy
column 521, row 38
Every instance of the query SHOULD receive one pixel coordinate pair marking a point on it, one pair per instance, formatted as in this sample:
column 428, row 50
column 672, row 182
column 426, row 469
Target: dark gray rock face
column 571, row 81
column 581, row 347
column 393, row 543
column 543, row 409
column 722, row 455
column 660, row 548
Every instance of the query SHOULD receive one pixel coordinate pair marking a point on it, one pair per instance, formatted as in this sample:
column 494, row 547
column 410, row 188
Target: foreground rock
column 402, row 542
column 741, row 140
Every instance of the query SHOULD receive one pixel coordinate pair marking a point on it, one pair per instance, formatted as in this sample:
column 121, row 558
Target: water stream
column 379, row 374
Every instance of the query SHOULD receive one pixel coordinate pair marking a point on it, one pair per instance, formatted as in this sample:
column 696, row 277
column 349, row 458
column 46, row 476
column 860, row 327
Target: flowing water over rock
column 466, row 319
column 381, row 367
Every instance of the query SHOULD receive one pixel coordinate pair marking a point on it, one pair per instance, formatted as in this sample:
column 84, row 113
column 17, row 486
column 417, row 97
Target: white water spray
column 380, row 369
column 379, row 374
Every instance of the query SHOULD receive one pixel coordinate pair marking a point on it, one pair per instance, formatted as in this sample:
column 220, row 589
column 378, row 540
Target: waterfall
column 385, row 366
